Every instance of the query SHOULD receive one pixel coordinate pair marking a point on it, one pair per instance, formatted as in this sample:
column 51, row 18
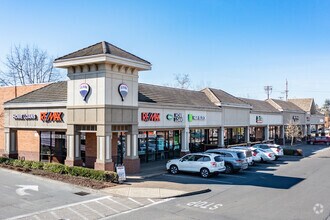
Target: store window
column 234, row 135
column 197, row 140
column 52, row 146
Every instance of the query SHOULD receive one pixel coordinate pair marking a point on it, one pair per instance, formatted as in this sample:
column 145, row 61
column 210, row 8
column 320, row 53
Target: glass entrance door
column 121, row 147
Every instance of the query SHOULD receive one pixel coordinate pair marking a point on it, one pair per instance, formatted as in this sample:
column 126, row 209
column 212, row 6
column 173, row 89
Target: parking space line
column 55, row 215
column 93, row 210
column 77, row 213
column 195, row 178
column 133, row 200
column 106, row 206
column 139, row 208
column 119, row 203
column 151, row 200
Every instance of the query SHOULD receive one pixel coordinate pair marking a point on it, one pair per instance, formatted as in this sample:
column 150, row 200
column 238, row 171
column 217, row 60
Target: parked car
column 235, row 160
column 275, row 148
column 248, row 153
column 204, row 163
column 320, row 140
column 265, row 154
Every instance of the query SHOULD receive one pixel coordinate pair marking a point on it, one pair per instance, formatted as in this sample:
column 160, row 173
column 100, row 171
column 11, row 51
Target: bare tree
column 293, row 130
column 28, row 65
column 182, row 81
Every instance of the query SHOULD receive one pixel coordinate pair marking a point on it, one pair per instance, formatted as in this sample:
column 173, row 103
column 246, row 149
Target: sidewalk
column 155, row 189
column 141, row 184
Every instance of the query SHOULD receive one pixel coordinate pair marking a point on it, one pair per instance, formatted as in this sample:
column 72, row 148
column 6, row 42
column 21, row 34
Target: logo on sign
column 192, row 117
column 259, row 119
column 295, row 118
column 51, row 116
column 123, row 91
column 25, row 117
column 84, row 90
column 177, row 117
column 149, row 116
column 169, row 117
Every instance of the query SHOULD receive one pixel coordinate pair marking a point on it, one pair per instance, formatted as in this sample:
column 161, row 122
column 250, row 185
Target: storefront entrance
column 52, row 146
column 159, row 145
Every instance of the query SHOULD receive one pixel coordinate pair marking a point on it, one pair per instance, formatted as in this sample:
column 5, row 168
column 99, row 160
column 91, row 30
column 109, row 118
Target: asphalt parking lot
column 290, row 188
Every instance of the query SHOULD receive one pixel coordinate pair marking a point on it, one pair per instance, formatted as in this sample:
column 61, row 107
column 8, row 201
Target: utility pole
column 268, row 90
column 286, row 89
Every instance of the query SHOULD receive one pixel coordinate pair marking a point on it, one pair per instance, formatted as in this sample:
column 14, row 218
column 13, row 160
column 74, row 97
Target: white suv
column 203, row 163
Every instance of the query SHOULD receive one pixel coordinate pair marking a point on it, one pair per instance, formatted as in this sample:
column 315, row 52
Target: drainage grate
column 81, row 193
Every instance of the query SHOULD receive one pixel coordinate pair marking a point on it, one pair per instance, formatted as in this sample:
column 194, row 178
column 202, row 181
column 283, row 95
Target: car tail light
column 270, row 155
column 239, row 161
column 213, row 164
column 278, row 149
column 254, row 153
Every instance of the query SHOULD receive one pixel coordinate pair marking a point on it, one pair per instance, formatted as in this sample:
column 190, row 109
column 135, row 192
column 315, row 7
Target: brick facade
column 90, row 150
column 28, row 144
column 10, row 92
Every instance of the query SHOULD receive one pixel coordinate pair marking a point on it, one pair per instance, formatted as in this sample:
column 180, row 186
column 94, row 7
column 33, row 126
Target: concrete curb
column 190, row 193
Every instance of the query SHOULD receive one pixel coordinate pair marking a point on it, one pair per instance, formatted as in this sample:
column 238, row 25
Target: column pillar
column 317, row 130
column 104, row 148
column 308, row 129
column 10, row 144
column 73, row 157
column 132, row 160
column 267, row 133
column 247, row 134
column 221, row 139
column 185, row 139
column 283, row 134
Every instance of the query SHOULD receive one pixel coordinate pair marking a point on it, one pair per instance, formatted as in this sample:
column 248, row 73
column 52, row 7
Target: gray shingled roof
column 287, row 106
column 102, row 48
column 147, row 93
column 305, row 104
column 226, row 98
column 174, row 96
column 260, row 105
column 55, row 92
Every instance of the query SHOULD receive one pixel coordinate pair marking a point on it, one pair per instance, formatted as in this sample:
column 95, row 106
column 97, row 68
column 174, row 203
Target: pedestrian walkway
column 98, row 208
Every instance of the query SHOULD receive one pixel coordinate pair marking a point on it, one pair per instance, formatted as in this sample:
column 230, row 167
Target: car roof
column 224, row 150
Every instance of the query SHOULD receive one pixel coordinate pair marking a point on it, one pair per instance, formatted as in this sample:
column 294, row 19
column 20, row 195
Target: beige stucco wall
column 287, row 116
column 267, row 119
column 235, row 116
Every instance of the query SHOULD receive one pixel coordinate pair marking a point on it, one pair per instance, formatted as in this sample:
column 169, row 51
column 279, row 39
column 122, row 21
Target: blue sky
column 237, row 46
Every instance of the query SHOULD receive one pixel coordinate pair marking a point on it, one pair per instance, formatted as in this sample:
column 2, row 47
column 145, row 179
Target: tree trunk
column 291, row 140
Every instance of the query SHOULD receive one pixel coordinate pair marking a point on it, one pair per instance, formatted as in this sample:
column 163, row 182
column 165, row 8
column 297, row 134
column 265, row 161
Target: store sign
column 121, row 173
column 84, row 90
column 295, row 118
column 149, row 116
column 259, row 119
column 308, row 118
column 192, row 117
column 321, row 120
column 176, row 117
column 51, row 116
column 123, row 91
column 26, row 117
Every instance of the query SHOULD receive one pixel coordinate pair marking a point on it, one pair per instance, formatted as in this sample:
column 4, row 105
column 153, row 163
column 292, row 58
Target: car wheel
column 174, row 169
column 276, row 157
column 205, row 172
column 229, row 168
column 262, row 160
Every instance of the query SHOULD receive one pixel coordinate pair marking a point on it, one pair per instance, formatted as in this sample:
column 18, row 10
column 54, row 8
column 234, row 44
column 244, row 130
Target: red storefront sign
column 51, row 116
column 149, row 116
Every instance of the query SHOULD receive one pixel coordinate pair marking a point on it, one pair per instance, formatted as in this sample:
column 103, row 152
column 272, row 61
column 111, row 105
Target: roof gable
column 225, row 98
column 260, row 105
column 285, row 105
column 102, row 48
column 306, row 104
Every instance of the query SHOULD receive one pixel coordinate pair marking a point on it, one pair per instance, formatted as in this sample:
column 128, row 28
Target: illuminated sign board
column 25, row 117
column 149, row 116
column 177, row 117
column 259, row 119
column 51, row 116
column 192, row 117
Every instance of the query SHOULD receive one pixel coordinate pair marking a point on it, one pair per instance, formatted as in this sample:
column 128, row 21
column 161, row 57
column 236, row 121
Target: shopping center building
column 102, row 116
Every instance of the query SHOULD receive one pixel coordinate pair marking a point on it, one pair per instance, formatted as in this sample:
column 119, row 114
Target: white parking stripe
column 151, row 200
column 77, row 213
column 139, row 203
column 139, row 208
column 56, row 208
column 93, row 210
column 106, row 206
column 54, row 214
column 119, row 203
column 190, row 177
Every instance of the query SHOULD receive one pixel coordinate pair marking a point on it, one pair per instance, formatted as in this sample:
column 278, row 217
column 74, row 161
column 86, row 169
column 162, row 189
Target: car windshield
column 241, row 155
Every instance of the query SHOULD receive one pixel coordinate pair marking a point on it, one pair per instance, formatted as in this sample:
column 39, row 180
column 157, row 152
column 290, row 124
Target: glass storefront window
column 52, row 146
column 234, row 135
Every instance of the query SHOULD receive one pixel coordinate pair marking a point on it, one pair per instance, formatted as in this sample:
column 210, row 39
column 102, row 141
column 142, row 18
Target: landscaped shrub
column 292, row 152
column 62, row 169
column 55, row 168
column 18, row 163
column 37, row 165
